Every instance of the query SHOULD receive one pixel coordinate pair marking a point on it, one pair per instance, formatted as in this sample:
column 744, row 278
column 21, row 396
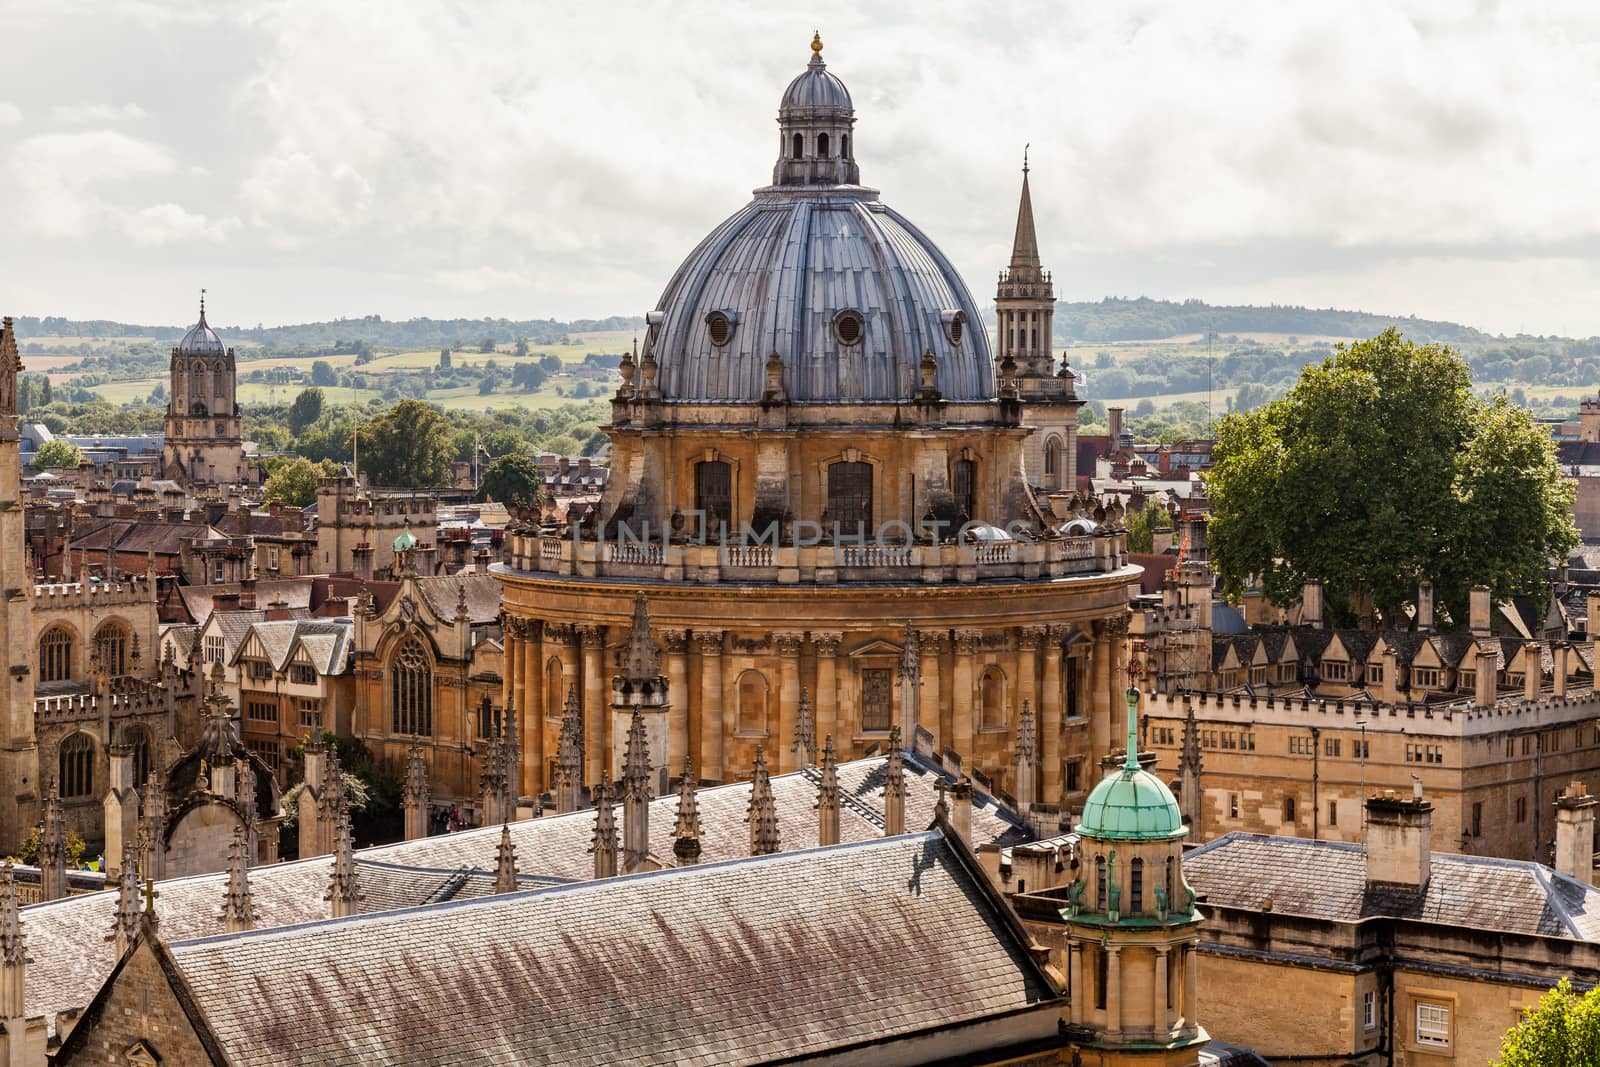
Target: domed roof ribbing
column 202, row 340
column 846, row 291
column 1133, row 804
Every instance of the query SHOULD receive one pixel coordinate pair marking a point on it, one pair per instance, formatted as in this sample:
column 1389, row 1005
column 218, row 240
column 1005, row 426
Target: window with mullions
column 77, row 766
column 713, row 495
column 963, row 486
column 411, row 690
column 850, row 498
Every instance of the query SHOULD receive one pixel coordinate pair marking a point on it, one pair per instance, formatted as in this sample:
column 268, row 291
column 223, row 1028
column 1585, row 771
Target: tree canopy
column 1562, row 1030
column 58, row 453
column 1380, row 469
column 512, row 480
column 294, row 482
column 306, row 409
column 408, row 445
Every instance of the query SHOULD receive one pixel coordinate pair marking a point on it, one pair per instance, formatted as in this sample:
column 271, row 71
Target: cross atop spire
column 202, row 305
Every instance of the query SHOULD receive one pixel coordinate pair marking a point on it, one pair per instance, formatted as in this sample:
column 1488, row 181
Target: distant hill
column 372, row 329
column 1143, row 319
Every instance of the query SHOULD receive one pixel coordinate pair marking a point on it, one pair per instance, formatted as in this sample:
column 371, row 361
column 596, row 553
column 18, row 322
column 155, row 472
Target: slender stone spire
column 153, row 828
column 636, row 793
column 828, row 797
column 805, row 729
column 686, row 845
column 330, row 800
column 605, row 830
column 641, row 664
column 13, row 953
column 1027, row 781
column 910, row 686
column 125, row 918
column 569, row 756
column 763, row 814
column 894, row 788
column 1189, row 768
column 494, row 784
column 53, row 848
column 416, row 795
column 505, row 862
column 344, row 889
column 238, row 909
column 1025, row 247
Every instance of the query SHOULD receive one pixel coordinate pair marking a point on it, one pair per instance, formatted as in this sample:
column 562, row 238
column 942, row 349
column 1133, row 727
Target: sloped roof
column 750, row 961
column 442, row 595
column 200, row 600
column 323, row 639
column 1327, row 880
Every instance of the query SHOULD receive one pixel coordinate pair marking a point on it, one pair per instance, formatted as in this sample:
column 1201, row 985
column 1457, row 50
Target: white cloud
column 58, row 176
column 162, row 224
column 97, row 113
column 10, row 114
column 481, row 279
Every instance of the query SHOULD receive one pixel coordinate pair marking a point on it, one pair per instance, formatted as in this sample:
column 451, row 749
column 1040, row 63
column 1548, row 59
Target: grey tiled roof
column 558, row 845
column 443, row 594
column 1327, row 880
column 751, row 961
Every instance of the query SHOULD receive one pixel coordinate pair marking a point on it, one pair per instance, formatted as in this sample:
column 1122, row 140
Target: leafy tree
column 521, row 346
column 408, row 445
column 306, row 409
column 487, row 383
column 512, row 480
column 551, row 363
column 295, row 481
column 1380, row 469
column 323, row 374
column 486, row 345
column 1142, row 525
column 28, row 854
column 444, row 359
column 1562, row 1030
column 58, row 453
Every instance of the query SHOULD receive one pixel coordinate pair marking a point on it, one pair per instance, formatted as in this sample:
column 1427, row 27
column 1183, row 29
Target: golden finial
column 816, row 41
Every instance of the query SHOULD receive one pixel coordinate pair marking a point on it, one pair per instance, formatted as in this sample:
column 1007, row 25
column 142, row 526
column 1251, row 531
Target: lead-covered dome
column 1132, row 804
column 201, row 340
column 816, row 269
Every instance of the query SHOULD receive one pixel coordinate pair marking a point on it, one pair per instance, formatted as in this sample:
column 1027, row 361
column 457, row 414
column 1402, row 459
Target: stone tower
column 1025, row 309
column 641, row 689
column 1132, row 930
column 204, row 430
column 19, row 756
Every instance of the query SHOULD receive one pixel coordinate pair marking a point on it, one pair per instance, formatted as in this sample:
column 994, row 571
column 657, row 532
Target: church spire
column 125, row 918
column 344, row 889
column 636, row 795
column 763, row 814
column 1025, row 246
column 805, row 729
column 53, row 849
column 605, row 830
column 505, row 865
column 641, row 664
column 569, row 756
column 894, row 788
column 828, row 797
column 686, row 845
column 238, row 909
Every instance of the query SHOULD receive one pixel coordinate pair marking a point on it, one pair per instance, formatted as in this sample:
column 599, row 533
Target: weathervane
column 1025, row 157
column 1135, row 665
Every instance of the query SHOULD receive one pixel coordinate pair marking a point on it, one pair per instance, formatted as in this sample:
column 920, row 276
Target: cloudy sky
column 307, row 160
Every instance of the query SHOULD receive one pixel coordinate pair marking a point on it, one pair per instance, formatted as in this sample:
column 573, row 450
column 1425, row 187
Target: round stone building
column 818, row 488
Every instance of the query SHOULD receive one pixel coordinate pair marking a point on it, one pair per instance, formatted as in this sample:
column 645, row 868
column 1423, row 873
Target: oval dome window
column 847, row 326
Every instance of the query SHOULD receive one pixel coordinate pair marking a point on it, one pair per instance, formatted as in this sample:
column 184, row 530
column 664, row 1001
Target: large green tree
column 294, row 482
column 408, row 445
column 58, row 453
column 306, row 409
column 512, row 480
column 1563, row 1030
column 1380, row 469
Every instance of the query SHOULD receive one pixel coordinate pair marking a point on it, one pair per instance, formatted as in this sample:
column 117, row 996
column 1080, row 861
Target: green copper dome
column 1133, row 804
column 405, row 542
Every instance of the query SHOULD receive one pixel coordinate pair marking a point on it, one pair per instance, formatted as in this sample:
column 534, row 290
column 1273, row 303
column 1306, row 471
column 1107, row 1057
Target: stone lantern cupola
column 815, row 118
column 1132, row 927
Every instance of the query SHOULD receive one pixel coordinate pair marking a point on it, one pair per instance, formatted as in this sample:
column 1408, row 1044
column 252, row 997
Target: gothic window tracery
column 55, row 655
column 111, row 648
column 411, row 690
column 77, row 766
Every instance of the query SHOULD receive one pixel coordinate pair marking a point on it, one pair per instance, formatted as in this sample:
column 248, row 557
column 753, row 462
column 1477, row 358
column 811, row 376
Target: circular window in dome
column 848, row 327
column 955, row 325
column 720, row 327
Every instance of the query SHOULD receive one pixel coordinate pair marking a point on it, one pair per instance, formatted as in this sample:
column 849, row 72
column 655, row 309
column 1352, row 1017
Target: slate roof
column 199, row 600
column 1327, row 880
column 750, row 961
column 442, row 595
column 69, row 957
column 559, row 844
column 327, row 642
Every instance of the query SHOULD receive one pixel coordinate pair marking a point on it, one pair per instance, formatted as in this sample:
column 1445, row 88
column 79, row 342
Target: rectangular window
column 1335, row 670
column 1433, row 1024
column 1511, row 747
column 1248, row 742
column 1330, row 746
column 272, row 559
column 1233, row 805
column 261, row 710
column 1477, row 819
column 1424, row 678
column 310, row 713
column 1302, row 746
column 850, row 499
column 1258, row 676
column 216, row 649
column 1522, row 809
column 1375, row 674
column 1333, row 813
column 1527, row 745
column 301, row 674
column 218, row 572
column 1467, row 680
column 1072, row 776
column 877, row 698
column 1360, row 749
column 1369, row 1010
column 1413, row 753
column 1288, row 810
column 1435, row 753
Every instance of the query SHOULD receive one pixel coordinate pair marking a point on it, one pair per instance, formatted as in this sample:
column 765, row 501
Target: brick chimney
column 1399, row 838
column 1479, row 611
column 1575, row 833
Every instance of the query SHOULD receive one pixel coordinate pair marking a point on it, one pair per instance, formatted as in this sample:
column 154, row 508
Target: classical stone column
column 511, row 684
column 784, row 758
column 1159, row 993
column 929, row 642
column 676, row 643
column 1100, row 696
column 1051, row 791
column 709, row 644
column 1113, row 989
column 1027, row 669
column 1191, row 986
column 597, row 742
column 965, row 695
column 530, row 707
column 827, row 699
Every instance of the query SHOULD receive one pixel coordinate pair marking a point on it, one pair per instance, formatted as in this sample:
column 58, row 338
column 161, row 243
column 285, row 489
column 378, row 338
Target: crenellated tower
column 1025, row 307
column 19, row 756
column 204, row 429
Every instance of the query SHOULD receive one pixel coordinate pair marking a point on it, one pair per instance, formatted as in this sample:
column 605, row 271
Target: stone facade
column 204, row 443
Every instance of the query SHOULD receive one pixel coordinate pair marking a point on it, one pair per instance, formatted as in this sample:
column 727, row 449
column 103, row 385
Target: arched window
column 1100, row 883
column 799, row 146
column 1052, row 463
column 111, row 648
column 964, row 486
column 752, row 703
column 844, row 145
column 992, row 697
column 555, row 689
column 713, row 495
column 55, row 655
column 1136, row 886
column 850, row 498
column 411, row 688
column 138, row 738
column 77, row 766
column 822, row 145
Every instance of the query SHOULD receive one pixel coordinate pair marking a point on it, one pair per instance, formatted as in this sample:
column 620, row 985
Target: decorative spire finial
column 202, row 305
column 687, row 832
column 1132, row 762
column 1025, row 157
column 763, row 813
column 505, row 867
column 816, row 46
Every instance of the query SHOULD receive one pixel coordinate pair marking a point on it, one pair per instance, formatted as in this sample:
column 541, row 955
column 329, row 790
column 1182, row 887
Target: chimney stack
column 961, row 808
column 1311, row 604
column 1563, row 664
column 1399, row 838
column 1114, row 428
column 1532, row 671
column 1575, row 833
column 1487, row 682
column 1479, row 614
column 1425, row 607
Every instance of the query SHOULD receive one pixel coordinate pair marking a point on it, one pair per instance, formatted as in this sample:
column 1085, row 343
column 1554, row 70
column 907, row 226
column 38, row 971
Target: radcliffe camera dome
column 816, row 269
